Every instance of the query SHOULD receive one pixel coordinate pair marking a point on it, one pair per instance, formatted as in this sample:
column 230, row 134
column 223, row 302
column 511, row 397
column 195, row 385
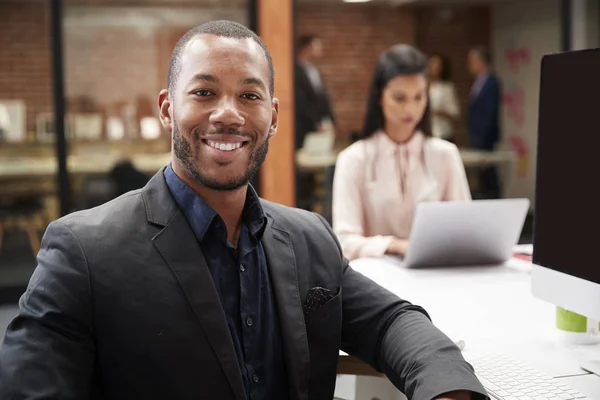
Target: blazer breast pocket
column 324, row 324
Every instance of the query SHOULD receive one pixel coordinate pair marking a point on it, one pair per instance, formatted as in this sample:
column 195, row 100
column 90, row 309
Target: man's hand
column 459, row 395
column 397, row 247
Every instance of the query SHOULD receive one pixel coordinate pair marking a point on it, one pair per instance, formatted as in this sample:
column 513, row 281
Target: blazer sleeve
column 483, row 124
column 457, row 184
column 327, row 101
column 398, row 338
column 48, row 350
column 348, row 208
column 304, row 103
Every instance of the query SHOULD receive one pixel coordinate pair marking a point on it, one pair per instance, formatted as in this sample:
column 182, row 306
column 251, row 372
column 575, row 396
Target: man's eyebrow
column 205, row 77
column 253, row 81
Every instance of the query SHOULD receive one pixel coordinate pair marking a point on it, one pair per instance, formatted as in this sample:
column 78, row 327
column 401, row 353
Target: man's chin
column 225, row 185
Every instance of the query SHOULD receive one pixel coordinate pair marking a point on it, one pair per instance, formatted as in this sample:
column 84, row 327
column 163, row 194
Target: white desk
column 492, row 310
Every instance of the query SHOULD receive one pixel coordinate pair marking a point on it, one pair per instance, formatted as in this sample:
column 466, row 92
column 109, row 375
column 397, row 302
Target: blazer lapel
column 181, row 252
column 282, row 268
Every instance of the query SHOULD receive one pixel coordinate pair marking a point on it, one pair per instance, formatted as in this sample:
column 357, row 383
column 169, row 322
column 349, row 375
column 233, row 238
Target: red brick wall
column 25, row 69
column 110, row 66
column 353, row 36
column 106, row 64
column 453, row 31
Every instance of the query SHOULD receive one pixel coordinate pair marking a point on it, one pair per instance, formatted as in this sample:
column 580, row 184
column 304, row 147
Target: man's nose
column 227, row 113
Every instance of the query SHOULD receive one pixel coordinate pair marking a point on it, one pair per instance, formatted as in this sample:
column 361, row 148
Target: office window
column 27, row 165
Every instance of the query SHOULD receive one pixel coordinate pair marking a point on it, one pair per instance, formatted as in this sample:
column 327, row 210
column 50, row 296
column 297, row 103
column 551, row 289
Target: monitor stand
column 591, row 366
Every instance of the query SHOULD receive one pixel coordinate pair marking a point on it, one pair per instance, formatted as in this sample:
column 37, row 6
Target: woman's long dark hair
column 445, row 70
column 398, row 60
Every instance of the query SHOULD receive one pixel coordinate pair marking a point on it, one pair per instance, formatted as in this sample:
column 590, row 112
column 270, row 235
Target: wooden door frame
column 274, row 22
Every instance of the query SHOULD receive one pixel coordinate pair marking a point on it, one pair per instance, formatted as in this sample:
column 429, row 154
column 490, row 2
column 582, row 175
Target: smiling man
column 194, row 288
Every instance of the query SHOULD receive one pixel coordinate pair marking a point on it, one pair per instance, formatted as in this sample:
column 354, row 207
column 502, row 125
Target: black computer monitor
column 566, row 238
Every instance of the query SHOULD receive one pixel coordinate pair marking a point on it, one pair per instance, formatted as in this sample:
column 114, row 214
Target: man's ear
column 164, row 108
column 274, row 118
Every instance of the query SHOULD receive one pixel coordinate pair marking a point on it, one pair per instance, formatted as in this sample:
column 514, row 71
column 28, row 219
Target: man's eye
column 250, row 96
column 202, row 93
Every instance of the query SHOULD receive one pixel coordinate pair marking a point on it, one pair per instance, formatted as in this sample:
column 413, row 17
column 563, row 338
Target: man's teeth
column 224, row 146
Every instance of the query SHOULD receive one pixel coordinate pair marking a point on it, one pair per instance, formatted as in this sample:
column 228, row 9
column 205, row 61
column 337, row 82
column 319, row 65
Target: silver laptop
column 480, row 232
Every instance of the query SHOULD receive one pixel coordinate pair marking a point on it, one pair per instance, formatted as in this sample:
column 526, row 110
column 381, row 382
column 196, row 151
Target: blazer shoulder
column 494, row 81
column 285, row 217
column 308, row 230
column 118, row 215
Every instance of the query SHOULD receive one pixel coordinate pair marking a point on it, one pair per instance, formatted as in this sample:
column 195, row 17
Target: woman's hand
column 397, row 247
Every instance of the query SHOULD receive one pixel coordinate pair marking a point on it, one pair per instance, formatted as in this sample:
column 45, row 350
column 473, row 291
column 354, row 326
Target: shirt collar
column 413, row 146
column 201, row 216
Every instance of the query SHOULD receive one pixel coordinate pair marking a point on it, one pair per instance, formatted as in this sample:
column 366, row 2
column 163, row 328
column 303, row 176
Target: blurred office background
column 112, row 62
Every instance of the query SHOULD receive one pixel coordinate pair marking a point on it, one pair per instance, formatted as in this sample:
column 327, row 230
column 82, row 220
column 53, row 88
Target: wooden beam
column 276, row 28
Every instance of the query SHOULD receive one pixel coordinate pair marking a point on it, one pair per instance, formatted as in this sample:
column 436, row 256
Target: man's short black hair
column 305, row 40
column 483, row 53
column 221, row 28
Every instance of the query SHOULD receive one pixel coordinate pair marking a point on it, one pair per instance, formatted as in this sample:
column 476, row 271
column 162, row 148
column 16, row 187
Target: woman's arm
column 457, row 185
column 450, row 106
column 348, row 211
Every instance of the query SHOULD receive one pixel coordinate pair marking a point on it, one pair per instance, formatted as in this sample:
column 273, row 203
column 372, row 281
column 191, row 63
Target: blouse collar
column 414, row 146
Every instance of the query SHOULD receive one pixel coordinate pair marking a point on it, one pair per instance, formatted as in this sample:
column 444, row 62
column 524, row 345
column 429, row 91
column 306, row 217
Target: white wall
column 528, row 29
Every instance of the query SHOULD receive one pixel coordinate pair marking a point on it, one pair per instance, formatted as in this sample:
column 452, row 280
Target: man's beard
column 182, row 150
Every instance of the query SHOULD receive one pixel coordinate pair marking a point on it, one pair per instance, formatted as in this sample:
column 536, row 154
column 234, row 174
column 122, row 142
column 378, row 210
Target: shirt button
column 242, row 268
column 249, row 321
column 255, row 378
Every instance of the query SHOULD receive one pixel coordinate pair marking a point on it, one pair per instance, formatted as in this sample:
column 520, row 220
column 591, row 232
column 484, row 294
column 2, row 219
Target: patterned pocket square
column 317, row 297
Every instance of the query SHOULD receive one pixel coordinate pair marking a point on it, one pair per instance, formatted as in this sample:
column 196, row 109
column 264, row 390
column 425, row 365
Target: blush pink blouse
column 378, row 183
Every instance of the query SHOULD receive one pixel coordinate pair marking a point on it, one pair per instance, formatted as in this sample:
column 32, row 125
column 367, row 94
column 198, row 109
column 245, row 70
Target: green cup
column 576, row 328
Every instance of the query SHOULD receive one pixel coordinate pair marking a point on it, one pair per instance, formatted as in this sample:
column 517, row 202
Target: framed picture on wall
column 150, row 128
column 12, row 121
column 87, row 126
column 45, row 127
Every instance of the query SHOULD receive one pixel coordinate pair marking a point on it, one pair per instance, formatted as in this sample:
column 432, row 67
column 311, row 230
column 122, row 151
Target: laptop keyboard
column 507, row 379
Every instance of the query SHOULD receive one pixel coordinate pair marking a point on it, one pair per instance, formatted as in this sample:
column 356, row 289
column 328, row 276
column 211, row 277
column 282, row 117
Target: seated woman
column 396, row 164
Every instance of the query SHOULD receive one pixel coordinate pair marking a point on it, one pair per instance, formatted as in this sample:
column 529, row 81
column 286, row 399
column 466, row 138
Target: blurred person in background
column 313, row 107
column 484, row 115
column 380, row 179
column 313, row 111
column 443, row 100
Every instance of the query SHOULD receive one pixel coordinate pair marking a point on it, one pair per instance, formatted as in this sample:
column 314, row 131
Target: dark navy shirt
column 242, row 281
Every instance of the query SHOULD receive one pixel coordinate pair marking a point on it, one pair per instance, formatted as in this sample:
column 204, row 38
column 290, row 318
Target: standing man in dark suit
column 313, row 107
column 313, row 111
column 484, row 115
column 194, row 288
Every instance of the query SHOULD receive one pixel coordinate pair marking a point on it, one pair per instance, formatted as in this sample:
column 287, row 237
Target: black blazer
column 311, row 106
column 122, row 306
column 484, row 115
